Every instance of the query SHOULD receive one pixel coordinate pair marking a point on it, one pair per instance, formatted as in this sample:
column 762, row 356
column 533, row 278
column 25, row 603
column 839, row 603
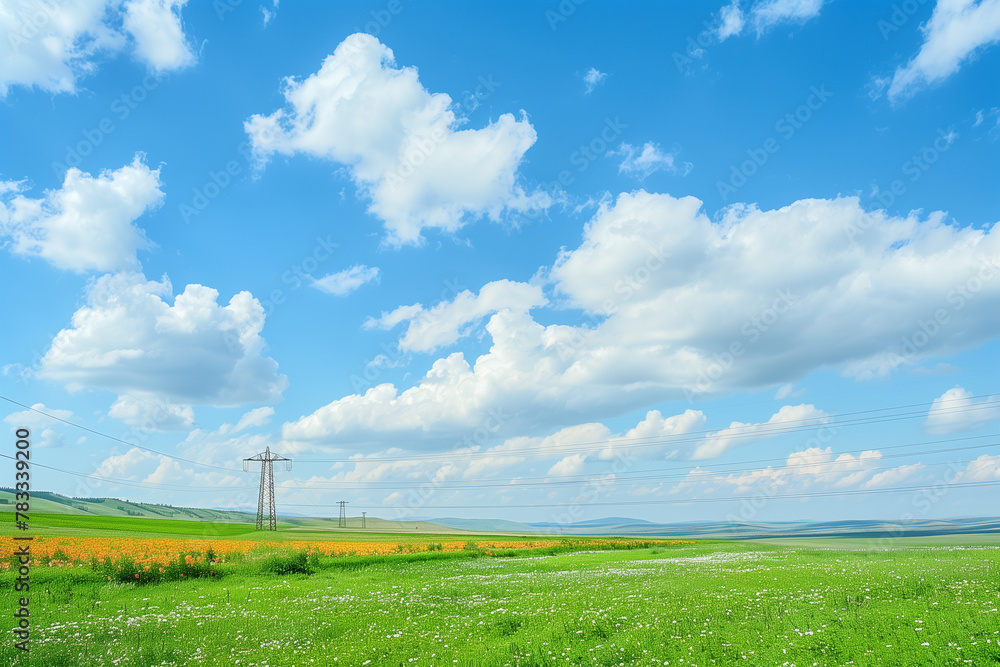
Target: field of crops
column 504, row 601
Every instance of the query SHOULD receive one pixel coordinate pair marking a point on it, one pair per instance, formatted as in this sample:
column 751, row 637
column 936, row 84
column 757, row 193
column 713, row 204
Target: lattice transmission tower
column 343, row 514
column 267, row 460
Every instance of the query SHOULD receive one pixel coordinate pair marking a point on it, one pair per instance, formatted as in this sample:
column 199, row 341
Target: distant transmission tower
column 267, row 460
column 343, row 514
column 363, row 519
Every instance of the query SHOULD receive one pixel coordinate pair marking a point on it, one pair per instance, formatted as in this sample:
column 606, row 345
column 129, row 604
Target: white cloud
column 814, row 466
column 593, row 78
column 344, row 282
column 983, row 469
column 152, row 414
column 402, row 145
column 641, row 440
column 567, row 466
column 86, row 225
column 956, row 410
column 731, row 20
column 892, row 476
column 53, row 44
column 679, row 306
column 738, row 433
column 43, row 429
column 430, row 328
column 269, row 14
column 766, row 14
column 128, row 339
column 155, row 25
column 254, row 418
column 648, row 160
column 149, row 468
column 956, row 31
column 787, row 390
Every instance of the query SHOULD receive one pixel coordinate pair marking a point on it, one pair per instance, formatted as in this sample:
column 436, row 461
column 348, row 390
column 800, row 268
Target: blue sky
column 537, row 261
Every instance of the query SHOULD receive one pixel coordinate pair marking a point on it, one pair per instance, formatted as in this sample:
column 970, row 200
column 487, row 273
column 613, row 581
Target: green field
column 703, row 605
column 711, row 603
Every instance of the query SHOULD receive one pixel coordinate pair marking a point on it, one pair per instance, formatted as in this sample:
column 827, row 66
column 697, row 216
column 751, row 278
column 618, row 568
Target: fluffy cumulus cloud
column 647, row 160
column 764, row 15
column 344, row 282
column 88, row 224
column 404, row 146
column 131, row 340
column 45, row 430
column 430, row 328
column 678, row 306
column 155, row 26
column 814, row 468
column 958, row 410
column 956, row 31
column 52, row 44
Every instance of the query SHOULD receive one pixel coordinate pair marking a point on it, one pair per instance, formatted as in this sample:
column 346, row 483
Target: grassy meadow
column 218, row 594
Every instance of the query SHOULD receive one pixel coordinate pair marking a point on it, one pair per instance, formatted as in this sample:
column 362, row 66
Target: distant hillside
column 723, row 530
column 54, row 503
column 485, row 525
column 760, row 530
column 46, row 502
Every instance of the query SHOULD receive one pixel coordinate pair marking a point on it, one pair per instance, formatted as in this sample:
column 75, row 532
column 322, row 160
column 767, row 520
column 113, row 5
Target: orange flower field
column 79, row 551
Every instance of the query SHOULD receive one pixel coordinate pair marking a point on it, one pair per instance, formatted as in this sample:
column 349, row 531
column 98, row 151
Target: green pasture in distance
column 880, row 542
column 112, row 526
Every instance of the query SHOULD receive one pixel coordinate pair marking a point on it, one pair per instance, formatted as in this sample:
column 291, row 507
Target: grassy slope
column 54, row 503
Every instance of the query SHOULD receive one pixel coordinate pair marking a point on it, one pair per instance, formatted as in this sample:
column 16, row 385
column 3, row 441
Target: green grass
column 709, row 604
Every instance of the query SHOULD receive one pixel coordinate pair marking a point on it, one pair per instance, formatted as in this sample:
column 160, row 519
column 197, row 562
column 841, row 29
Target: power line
column 267, row 460
column 682, row 501
column 691, row 436
column 111, row 437
column 129, row 482
column 844, row 467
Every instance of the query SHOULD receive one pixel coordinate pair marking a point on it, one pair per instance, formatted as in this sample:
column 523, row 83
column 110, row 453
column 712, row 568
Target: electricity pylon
column 343, row 513
column 267, row 460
